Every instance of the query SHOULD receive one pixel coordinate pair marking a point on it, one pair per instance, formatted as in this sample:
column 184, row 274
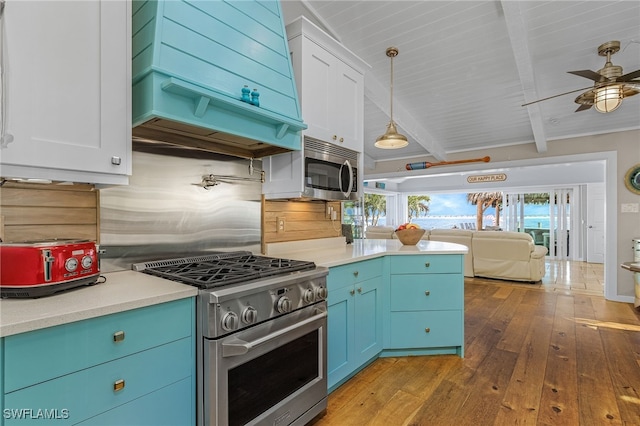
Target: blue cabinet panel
column 427, row 264
column 417, row 292
column 344, row 275
column 91, row 390
column 427, row 329
column 339, row 335
column 44, row 354
column 169, row 406
column 368, row 320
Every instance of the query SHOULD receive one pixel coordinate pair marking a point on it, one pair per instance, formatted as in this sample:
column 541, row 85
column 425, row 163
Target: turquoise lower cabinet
column 425, row 305
column 133, row 367
column 159, row 406
column 354, row 334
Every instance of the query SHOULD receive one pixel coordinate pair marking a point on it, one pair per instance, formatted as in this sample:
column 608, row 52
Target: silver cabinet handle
column 118, row 336
column 360, row 290
column 427, row 330
column 427, row 264
column 352, row 292
column 355, row 274
column 427, row 293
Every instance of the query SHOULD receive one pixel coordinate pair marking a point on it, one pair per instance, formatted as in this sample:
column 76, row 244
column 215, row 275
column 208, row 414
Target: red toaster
column 42, row 268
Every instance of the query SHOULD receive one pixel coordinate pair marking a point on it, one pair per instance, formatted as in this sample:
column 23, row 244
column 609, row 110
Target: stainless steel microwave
column 320, row 171
column 330, row 171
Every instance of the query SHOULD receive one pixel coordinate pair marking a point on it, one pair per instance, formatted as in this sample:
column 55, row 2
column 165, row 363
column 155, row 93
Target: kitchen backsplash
column 165, row 210
column 36, row 211
column 300, row 220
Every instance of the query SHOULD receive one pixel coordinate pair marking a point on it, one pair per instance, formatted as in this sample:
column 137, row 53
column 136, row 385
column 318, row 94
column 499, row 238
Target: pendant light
column 391, row 139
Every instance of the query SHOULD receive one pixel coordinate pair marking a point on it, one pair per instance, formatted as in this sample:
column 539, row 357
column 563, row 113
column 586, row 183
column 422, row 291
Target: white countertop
column 333, row 253
column 122, row 291
column 125, row 290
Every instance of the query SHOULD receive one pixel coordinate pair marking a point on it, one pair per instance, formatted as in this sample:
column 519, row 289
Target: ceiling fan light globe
column 608, row 98
column 391, row 139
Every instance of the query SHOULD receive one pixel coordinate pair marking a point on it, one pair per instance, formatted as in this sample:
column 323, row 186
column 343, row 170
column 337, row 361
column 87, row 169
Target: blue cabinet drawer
column 430, row 329
column 89, row 392
column 417, row 292
column 169, row 406
column 342, row 276
column 44, row 354
column 426, row 264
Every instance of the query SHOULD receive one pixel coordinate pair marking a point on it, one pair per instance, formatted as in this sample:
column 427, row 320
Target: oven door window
column 261, row 383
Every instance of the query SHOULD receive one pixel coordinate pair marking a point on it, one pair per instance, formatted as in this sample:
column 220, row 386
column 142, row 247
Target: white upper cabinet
column 330, row 84
column 68, row 91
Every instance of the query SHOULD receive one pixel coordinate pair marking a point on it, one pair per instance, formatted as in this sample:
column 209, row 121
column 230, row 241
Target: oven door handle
column 240, row 347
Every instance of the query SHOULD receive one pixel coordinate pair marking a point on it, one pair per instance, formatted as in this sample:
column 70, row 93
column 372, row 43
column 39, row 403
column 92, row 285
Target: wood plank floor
column 534, row 355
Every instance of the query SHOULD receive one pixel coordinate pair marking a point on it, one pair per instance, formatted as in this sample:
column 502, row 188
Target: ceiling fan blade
column 629, row 76
column 555, row 96
column 591, row 75
column 583, row 107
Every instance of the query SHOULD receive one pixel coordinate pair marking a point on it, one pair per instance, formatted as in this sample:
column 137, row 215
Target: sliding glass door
column 549, row 217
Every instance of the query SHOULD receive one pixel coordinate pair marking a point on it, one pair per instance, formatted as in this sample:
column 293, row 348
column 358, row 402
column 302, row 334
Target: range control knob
column 284, row 305
column 229, row 321
column 249, row 315
column 86, row 262
column 321, row 293
column 308, row 295
column 71, row 264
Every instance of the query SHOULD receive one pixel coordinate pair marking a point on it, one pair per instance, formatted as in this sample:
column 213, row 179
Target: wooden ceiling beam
column 517, row 30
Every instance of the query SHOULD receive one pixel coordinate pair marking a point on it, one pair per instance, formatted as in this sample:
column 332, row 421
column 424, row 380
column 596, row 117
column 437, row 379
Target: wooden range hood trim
column 189, row 115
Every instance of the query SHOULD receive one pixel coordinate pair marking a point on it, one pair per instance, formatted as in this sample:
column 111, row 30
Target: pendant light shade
column 608, row 98
column 391, row 139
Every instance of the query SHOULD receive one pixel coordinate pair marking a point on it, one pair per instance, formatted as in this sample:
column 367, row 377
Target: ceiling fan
column 610, row 86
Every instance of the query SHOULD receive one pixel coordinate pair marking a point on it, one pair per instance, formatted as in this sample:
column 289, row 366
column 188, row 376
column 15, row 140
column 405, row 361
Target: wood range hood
column 190, row 64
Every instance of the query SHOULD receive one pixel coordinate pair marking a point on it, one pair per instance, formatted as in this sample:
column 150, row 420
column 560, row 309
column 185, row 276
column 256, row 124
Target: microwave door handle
column 240, row 347
column 348, row 191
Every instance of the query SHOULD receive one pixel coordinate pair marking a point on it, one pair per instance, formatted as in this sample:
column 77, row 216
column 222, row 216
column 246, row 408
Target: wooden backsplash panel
column 40, row 212
column 304, row 220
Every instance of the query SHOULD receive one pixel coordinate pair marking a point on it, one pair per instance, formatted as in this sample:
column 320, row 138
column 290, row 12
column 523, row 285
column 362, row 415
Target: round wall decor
column 632, row 179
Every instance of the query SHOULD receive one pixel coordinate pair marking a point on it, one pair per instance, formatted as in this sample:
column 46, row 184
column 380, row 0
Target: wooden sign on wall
column 496, row 177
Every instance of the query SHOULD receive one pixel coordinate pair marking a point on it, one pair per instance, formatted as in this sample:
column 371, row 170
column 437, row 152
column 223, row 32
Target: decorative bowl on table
column 410, row 237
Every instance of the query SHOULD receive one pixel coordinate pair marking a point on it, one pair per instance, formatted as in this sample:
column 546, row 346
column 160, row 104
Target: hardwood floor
column 547, row 354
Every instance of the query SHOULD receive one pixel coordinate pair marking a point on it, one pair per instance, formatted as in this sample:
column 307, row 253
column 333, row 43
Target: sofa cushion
column 379, row 232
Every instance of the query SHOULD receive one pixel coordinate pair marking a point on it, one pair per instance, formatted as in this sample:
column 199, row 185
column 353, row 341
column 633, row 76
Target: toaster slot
column 47, row 260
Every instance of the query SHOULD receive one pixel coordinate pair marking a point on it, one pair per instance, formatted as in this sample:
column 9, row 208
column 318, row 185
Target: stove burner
column 221, row 269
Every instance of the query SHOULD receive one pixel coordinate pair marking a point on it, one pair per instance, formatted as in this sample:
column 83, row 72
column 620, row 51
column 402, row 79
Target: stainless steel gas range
column 261, row 333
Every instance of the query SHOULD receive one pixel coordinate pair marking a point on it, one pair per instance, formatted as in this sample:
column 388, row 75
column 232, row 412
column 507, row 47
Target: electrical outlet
column 329, row 210
column 334, row 215
column 280, row 224
column 629, row 208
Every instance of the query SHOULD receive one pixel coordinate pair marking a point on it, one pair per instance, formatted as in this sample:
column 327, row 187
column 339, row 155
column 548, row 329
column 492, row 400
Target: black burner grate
column 222, row 269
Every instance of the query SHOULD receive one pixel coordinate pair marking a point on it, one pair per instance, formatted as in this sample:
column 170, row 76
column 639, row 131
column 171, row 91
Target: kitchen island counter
column 122, row 291
column 331, row 252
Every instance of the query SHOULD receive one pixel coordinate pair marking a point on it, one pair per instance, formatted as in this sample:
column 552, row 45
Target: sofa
column 502, row 255
column 507, row 255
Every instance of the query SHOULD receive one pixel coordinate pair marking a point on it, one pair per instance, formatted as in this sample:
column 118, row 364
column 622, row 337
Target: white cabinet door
column 67, row 79
column 318, row 87
column 348, row 107
column 332, row 97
